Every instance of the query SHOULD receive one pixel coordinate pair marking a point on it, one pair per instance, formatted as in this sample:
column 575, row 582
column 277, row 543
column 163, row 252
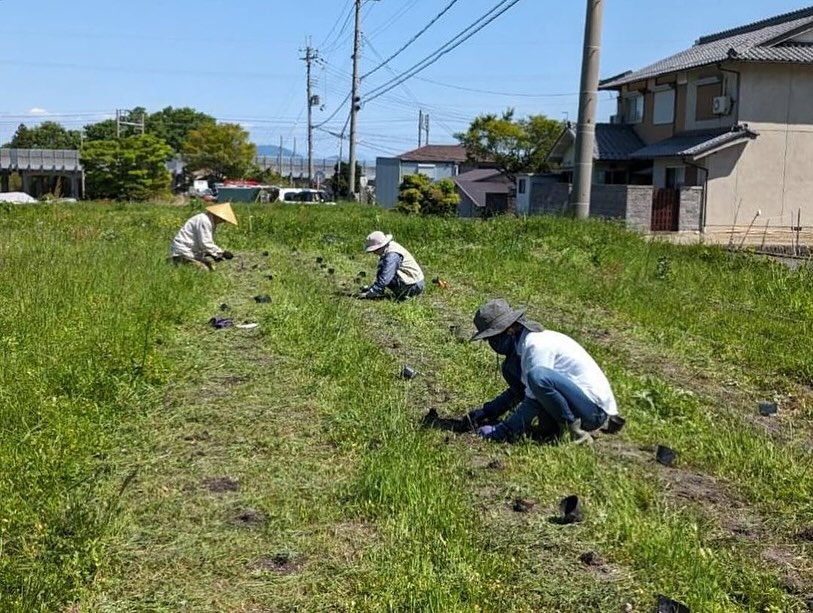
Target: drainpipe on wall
column 705, row 200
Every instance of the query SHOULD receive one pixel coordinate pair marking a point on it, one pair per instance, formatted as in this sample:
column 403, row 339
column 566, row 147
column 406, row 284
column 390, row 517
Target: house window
column 704, row 109
column 521, row 188
column 664, row 112
column 634, row 108
column 427, row 169
column 675, row 177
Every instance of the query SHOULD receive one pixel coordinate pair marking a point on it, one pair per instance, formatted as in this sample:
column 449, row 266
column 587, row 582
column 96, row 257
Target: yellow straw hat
column 223, row 211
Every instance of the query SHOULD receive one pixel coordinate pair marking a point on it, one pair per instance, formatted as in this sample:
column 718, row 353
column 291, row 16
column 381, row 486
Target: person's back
column 188, row 241
column 559, row 352
column 409, row 272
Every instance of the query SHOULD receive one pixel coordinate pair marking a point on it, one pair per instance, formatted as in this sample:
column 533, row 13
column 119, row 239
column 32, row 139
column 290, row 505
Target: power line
column 495, row 93
column 324, row 43
column 411, row 40
column 463, row 36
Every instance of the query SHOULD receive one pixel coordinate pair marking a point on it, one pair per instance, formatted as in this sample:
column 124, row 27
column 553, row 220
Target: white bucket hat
column 376, row 240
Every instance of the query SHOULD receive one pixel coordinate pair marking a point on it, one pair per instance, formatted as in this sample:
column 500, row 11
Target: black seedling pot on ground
column 570, row 509
column 362, row 273
column 224, row 307
column 766, row 409
column 331, row 271
column 320, row 259
column 407, row 372
column 615, row 424
column 667, row 605
column 665, row 455
column 265, row 253
column 262, row 299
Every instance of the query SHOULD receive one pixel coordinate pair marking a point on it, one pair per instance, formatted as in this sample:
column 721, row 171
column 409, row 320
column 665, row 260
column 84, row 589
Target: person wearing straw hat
column 550, row 376
column 195, row 240
column 397, row 269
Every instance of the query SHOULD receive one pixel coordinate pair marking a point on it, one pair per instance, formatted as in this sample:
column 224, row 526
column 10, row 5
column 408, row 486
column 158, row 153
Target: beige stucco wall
column 773, row 173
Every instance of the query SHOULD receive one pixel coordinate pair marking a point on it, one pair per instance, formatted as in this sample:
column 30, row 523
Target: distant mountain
column 273, row 151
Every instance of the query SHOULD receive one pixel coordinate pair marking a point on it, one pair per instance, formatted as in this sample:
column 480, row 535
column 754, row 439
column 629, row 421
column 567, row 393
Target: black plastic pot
column 262, row 299
column 615, row 424
column 570, row 509
column 667, row 605
column 766, row 409
column 665, row 455
column 407, row 372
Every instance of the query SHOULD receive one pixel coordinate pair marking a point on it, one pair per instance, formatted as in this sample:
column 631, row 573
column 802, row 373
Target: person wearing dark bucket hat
column 550, row 376
column 397, row 271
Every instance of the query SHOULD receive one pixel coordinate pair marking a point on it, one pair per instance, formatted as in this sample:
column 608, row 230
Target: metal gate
column 665, row 209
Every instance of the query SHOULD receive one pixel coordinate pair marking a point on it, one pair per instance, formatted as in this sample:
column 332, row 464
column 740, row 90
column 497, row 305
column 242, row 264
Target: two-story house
column 732, row 117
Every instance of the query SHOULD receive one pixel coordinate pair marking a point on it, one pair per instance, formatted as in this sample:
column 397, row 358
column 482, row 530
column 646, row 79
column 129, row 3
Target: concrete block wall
column 609, row 201
column 639, row 207
column 691, row 203
column 549, row 198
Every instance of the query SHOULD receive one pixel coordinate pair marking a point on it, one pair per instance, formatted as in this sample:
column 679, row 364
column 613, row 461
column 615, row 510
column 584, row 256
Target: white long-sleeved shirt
column 196, row 238
column 561, row 353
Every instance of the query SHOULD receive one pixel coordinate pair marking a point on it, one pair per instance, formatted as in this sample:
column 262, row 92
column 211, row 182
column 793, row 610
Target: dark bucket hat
column 494, row 318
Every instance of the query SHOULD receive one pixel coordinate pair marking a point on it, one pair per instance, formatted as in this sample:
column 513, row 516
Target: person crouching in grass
column 195, row 240
column 550, row 376
column 397, row 269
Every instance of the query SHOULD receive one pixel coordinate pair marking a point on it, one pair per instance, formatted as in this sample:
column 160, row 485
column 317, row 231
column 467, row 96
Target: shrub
column 420, row 195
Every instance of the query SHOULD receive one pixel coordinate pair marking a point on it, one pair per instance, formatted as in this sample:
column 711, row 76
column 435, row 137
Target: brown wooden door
column 665, row 209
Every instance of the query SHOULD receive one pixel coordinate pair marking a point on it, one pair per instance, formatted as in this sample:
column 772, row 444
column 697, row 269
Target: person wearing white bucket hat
column 550, row 376
column 195, row 240
column 397, row 271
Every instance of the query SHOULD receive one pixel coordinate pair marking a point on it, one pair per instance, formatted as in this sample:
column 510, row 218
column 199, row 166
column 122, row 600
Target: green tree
column 106, row 129
column 340, row 180
column 223, row 150
column 174, row 125
column 418, row 194
column 47, row 135
column 514, row 145
column 129, row 168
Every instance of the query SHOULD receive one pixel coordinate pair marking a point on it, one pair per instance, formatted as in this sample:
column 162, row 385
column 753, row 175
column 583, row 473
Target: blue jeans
column 557, row 399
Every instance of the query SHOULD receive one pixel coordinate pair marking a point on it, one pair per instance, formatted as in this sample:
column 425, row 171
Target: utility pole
column 120, row 114
column 426, row 127
column 311, row 55
column 588, row 102
column 420, row 127
column 355, row 101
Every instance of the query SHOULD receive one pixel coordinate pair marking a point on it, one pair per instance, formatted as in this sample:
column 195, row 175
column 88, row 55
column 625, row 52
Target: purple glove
column 485, row 431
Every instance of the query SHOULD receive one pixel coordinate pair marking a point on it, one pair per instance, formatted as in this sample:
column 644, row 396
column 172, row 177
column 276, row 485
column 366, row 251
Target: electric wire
column 411, row 40
column 455, row 42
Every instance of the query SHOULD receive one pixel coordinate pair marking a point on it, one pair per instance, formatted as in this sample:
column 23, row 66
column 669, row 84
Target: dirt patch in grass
column 280, row 563
column 219, row 485
column 248, row 518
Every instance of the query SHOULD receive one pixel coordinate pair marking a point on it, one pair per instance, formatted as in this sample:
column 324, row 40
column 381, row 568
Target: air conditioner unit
column 721, row 105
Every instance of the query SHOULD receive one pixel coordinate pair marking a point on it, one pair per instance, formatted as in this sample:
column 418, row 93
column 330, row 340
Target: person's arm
column 496, row 408
column 518, row 422
column 206, row 234
column 387, row 269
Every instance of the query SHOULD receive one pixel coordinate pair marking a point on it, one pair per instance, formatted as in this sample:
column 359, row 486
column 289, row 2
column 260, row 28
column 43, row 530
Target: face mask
column 502, row 344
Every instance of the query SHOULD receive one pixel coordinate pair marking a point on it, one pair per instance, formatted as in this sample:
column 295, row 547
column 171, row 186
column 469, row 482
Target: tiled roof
column 477, row 188
column 481, row 174
column 691, row 144
column 435, row 153
column 761, row 41
column 613, row 142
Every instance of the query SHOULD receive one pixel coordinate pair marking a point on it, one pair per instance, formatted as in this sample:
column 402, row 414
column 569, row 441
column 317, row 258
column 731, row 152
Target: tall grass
column 86, row 297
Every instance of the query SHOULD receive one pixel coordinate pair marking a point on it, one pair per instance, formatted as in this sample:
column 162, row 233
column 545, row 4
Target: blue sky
column 238, row 60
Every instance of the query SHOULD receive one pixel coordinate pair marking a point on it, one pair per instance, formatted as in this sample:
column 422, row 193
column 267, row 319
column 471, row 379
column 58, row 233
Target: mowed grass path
column 284, row 468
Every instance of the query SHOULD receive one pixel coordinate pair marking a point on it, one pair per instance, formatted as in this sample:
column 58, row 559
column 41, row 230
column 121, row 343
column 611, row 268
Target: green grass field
column 151, row 463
